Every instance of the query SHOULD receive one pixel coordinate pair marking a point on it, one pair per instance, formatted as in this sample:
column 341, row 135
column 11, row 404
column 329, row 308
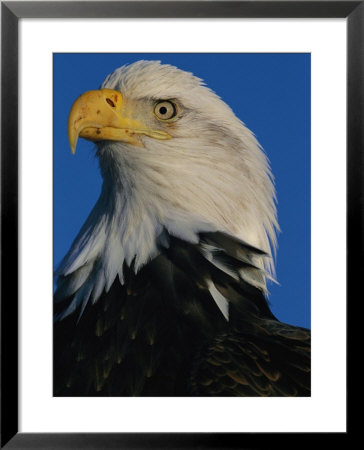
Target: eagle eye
column 165, row 110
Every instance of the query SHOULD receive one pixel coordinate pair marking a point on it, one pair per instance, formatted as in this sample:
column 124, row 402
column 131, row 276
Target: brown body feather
column 161, row 333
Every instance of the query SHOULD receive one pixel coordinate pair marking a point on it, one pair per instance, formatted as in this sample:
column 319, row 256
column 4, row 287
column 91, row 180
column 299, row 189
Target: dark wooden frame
column 11, row 12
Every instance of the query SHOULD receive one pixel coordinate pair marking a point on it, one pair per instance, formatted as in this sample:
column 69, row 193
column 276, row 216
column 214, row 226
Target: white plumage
column 211, row 175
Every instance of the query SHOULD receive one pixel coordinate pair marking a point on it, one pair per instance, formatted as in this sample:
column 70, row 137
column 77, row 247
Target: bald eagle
column 164, row 290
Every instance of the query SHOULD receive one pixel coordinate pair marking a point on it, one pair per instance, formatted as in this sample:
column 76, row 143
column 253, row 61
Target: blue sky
column 270, row 93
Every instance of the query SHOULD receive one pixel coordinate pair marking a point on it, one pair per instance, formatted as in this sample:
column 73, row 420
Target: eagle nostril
column 110, row 102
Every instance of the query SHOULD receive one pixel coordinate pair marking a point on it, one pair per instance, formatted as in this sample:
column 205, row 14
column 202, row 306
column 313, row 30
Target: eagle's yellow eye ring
column 165, row 110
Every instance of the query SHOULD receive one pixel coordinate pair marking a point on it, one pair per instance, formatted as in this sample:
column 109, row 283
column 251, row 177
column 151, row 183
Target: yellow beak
column 97, row 116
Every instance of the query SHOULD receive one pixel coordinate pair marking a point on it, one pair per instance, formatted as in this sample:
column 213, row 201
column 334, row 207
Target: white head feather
column 212, row 175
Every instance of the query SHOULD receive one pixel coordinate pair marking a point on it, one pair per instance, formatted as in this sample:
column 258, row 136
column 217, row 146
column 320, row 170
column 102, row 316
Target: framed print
column 167, row 304
column 281, row 75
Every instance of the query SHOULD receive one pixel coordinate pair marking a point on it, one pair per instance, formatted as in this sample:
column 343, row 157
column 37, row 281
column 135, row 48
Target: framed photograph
column 182, row 210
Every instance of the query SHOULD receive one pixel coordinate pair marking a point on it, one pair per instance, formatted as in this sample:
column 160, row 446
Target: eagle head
column 174, row 157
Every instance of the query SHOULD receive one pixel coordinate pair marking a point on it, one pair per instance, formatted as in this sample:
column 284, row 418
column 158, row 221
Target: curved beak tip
column 72, row 139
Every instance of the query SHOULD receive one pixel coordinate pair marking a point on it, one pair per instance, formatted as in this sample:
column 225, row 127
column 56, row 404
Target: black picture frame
column 11, row 12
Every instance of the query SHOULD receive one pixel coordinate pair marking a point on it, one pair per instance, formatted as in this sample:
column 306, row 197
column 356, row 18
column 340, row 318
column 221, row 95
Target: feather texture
column 162, row 333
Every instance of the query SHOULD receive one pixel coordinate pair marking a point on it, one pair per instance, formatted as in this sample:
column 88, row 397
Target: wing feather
column 164, row 330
